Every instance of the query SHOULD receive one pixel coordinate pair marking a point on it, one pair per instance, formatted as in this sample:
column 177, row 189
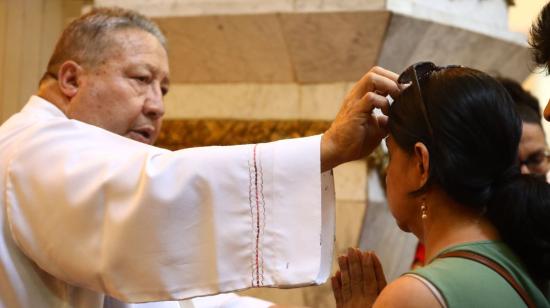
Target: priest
column 92, row 213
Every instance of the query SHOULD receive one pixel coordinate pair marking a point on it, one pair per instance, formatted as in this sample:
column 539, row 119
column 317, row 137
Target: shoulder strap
column 495, row 267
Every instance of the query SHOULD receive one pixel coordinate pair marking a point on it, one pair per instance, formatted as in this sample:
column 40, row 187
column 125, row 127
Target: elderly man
column 92, row 211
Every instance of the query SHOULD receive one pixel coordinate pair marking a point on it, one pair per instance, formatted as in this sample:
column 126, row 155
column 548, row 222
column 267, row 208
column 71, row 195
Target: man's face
column 124, row 93
column 532, row 150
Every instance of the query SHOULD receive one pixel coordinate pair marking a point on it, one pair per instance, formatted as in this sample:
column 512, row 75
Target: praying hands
column 359, row 280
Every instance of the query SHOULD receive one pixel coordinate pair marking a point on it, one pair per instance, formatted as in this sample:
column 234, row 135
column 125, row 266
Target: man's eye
column 144, row 79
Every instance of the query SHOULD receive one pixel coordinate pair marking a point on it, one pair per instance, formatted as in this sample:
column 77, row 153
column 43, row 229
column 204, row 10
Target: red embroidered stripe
column 256, row 201
column 257, row 217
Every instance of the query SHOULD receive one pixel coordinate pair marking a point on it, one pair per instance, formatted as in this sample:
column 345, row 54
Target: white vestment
column 86, row 212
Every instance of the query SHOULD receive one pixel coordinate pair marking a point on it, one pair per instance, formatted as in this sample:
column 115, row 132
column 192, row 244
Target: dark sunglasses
column 414, row 74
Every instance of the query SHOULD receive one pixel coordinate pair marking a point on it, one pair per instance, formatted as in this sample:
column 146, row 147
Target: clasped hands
column 359, row 281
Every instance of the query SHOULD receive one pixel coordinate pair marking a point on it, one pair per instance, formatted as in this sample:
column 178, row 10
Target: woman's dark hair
column 474, row 156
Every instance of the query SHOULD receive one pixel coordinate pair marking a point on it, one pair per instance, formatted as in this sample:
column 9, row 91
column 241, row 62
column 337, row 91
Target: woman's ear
column 68, row 78
column 422, row 160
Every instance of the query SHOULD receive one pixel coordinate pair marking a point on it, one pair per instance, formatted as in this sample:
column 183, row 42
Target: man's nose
column 154, row 105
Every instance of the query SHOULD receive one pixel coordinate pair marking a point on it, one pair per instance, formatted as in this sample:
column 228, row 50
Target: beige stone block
column 349, row 221
column 291, row 47
column 410, row 40
column 201, row 7
column 234, row 101
column 350, row 180
column 338, row 5
column 256, row 100
column 327, row 47
column 322, row 101
column 211, row 7
column 227, row 48
column 324, row 41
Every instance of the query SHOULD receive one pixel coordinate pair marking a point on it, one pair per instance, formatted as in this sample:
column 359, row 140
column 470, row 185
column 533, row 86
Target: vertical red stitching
column 257, row 217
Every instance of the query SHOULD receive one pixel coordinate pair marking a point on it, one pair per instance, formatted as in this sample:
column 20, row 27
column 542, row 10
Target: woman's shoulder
column 399, row 294
column 465, row 283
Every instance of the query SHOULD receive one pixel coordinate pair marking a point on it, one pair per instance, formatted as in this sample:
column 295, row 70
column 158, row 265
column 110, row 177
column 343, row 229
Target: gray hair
column 86, row 39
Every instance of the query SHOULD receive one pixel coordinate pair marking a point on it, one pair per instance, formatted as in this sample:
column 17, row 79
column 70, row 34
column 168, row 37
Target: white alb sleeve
column 139, row 223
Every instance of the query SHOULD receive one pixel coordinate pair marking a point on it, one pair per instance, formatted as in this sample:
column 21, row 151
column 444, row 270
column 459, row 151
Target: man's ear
column 422, row 160
column 68, row 78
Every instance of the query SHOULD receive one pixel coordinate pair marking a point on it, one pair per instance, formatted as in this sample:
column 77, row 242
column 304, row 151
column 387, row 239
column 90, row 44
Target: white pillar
column 28, row 33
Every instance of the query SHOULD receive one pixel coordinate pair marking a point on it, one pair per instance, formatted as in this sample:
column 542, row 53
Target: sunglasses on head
column 414, row 74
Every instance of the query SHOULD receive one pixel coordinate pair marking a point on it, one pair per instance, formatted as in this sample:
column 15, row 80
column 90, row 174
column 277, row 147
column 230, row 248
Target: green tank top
column 466, row 283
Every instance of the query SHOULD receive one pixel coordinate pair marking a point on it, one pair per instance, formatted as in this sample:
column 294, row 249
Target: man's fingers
column 344, row 278
column 355, row 272
column 377, row 79
column 337, row 289
column 386, row 73
column 384, row 85
column 373, row 100
column 379, row 272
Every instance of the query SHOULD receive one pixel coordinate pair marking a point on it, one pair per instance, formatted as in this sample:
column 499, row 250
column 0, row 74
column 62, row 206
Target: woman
column 453, row 180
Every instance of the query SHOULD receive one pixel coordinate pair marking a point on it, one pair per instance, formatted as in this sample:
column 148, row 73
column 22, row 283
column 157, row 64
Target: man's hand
column 359, row 280
column 356, row 131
